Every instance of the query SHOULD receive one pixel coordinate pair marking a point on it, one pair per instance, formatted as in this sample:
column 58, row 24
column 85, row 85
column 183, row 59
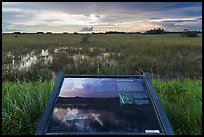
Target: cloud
column 154, row 18
column 12, row 10
column 13, row 30
column 103, row 7
column 100, row 15
column 7, row 27
column 180, row 24
column 10, row 27
column 87, row 29
column 195, row 19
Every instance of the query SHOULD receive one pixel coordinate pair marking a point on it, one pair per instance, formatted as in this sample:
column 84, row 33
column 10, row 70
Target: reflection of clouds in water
column 76, row 118
column 92, row 120
column 96, row 117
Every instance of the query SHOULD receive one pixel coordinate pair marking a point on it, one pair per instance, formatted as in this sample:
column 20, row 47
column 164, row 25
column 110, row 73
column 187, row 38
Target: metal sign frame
column 161, row 115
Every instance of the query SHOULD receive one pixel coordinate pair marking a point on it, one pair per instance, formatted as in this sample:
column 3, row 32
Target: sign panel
column 103, row 105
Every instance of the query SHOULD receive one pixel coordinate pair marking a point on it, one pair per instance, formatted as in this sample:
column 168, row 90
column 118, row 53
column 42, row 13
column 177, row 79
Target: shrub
column 85, row 39
column 156, row 31
column 187, row 33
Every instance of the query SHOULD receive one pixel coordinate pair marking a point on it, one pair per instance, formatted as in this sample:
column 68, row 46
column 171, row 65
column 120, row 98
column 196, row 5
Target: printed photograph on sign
column 103, row 105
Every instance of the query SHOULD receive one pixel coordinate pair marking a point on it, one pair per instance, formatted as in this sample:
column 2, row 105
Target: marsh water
column 30, row 57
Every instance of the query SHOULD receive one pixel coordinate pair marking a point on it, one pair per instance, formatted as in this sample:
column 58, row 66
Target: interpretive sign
column 104, row 104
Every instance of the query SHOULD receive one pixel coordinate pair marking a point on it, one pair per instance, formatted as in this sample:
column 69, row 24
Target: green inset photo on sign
column 137, row 98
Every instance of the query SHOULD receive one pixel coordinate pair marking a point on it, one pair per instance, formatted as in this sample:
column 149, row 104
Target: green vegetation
column 85, row 39
column 182, row 101
column 30, row 62
column 23, row 104
column 187, row 33
column 165, row 55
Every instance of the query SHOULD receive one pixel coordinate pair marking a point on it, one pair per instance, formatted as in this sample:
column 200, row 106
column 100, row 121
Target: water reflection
column 76, row 118
column 101, row 115
column 30, row 59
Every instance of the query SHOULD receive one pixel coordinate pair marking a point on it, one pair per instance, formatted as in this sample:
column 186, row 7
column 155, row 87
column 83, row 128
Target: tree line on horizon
column 149, row 32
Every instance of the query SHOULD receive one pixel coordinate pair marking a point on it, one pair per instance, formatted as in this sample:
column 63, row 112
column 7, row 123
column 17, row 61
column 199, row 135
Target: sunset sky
column 99, row 87
column 101, row 16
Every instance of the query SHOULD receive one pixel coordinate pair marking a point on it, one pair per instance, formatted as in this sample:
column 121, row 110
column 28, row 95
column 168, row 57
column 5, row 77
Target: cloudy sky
column 101, row 16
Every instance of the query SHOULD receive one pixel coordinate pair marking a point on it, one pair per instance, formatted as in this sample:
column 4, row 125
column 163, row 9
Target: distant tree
column 16, row 32
column 85, row 39
column 156, row 31
column 187, row 33
column 76, row 32
column 114, row 32
column 48, row 32
column 65, row 32
column 39, row 33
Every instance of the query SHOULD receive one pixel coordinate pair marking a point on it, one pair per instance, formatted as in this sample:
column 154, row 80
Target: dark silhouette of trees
column 48, row 32
column 114, row 32
column 16, row 32
column 156, row 31
column 39, row 33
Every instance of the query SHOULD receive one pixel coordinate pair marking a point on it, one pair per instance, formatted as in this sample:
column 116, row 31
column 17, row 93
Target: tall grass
column 23, row 104
column 182, row 101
